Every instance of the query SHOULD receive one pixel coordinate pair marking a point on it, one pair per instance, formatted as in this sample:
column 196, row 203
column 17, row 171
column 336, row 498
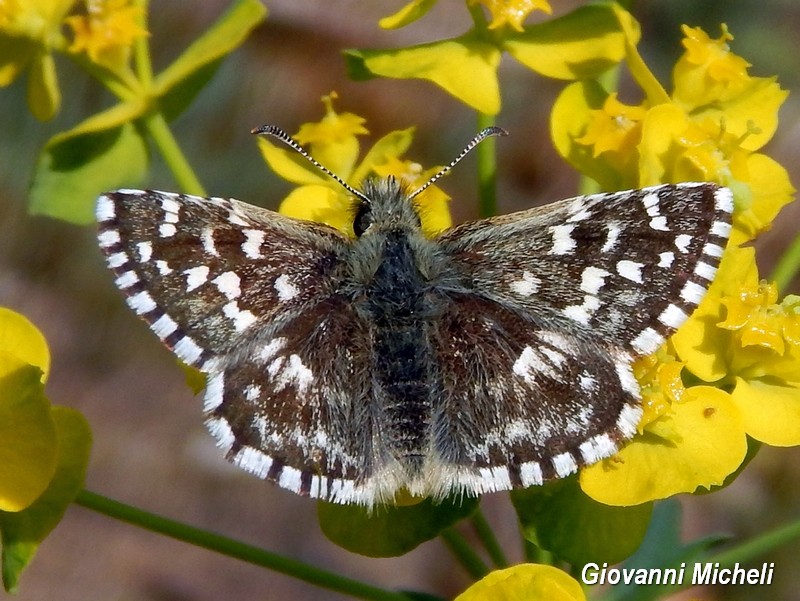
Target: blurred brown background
column 151, row 449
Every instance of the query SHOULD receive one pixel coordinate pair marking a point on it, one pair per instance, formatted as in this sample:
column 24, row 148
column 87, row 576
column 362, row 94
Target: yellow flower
column 754, row 314
column 525, row 582
column 688, row 439
column 28, row 443
column 29, row 31
column 107, row 31
column 511, row 12
column 334, row 144
column 708, row 70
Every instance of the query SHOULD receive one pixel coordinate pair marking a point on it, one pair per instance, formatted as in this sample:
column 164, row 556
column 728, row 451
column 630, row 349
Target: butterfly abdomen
column 396, row 302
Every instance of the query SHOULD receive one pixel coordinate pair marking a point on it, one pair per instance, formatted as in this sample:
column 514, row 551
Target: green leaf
column 562, row 519
column 662, row 548
column 465, row 67
column 580, row 45
column 73, row 170
column 23, row 531
column 28, row 445
column 390, row 531
column 224, row 36
column 44, row 96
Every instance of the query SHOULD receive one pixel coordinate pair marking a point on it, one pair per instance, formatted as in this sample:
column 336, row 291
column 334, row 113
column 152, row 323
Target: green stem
column 459, row 547
column 233, row 548
column 758, row 546
column 788, row 265
column 173, row 155
column 141, row 49
column 487, row 170
column 489, row 540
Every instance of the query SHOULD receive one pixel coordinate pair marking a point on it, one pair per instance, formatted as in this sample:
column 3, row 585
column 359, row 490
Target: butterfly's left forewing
column 535, row 353
column 251, row 298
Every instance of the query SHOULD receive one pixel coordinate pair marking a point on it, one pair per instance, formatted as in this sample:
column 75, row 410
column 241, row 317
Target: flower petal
column 23, row 340
column 771, row 412
column 698, row 444
column 525, row 582
column 465, row 67
column 580, row 45
column 28, row 443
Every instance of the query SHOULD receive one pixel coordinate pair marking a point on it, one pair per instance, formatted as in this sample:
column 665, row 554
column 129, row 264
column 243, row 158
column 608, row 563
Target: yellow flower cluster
column 31, row 30
column 740, row 349
column 333, row 142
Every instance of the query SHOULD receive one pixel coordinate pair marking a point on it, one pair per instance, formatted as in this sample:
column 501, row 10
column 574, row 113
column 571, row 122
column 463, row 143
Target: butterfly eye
column 363, row 219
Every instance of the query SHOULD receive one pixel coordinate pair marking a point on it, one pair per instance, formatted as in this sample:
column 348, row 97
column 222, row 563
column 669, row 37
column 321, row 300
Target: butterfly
column 496, row 355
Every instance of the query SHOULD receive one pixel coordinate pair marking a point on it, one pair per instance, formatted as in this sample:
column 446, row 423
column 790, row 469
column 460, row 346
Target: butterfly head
column 385, row 205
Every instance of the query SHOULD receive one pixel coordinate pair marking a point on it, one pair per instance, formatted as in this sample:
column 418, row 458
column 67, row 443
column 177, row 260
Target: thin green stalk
column 535, row 554
column 236, row 549
column 788, row 265
column 758, row 546
column 489, row 540
column 487, row 170
column 173, row 155
column 465, row 554
column 141, row 49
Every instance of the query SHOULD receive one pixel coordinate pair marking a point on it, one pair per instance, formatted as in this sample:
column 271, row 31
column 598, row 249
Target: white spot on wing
column 673, row 317
column 705, row 271
column 141, row 302
column 612, row 236
column 269, row 350
column 215, row 387
column 145, row 250
column 285, row 289
column 242, row 319
column 108, row 238
column 187, row 350
column 712, row 250
column 563, row 244
column 531, row 474
column 196, row 277
column 592, row 279
column 167, row 230
column 724, row 200
column 229, row 284
column 207, row 240
column 630, row 270
column 252, row 392
column 252, row 244
column 564, row 464
column 530, row 363
column 164, row 326
column 629, row 419
column 290, row 478
column 253, row 461
column 163, row 267
column 666, row 259
column 682, row 242
column 583, row 313
column 126, row 280
column 626, row 378
column 693, row 293
column 219, row 427
column 105, row 210
column 659, row 223
column 527, row 285
column 117, row 260
column 647, row 341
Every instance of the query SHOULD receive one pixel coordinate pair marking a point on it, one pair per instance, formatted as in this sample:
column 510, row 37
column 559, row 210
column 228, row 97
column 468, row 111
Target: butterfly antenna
column 480, row 137
column 277, row 132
